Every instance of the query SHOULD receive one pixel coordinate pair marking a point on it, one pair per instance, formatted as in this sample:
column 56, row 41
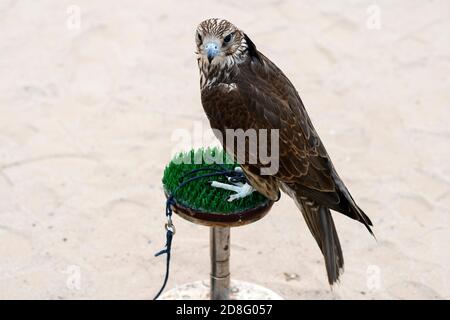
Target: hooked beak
column 211, row 50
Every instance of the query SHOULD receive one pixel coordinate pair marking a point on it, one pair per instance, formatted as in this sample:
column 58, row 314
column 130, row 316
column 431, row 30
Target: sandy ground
column 87, row 115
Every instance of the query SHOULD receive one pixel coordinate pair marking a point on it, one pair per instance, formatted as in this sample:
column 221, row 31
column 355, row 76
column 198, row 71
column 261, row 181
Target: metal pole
column 220, row 263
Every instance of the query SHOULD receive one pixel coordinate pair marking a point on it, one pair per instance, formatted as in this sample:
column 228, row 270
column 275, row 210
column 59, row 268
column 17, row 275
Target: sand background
column 87, row 115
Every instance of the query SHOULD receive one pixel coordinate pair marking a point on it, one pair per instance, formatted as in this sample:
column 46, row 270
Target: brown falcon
column 242, row 89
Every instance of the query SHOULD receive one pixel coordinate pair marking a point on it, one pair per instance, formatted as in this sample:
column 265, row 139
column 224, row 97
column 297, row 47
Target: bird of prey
column 242, row 89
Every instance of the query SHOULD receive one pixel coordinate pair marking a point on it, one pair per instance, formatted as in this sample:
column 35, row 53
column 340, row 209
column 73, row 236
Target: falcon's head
column 219, row 42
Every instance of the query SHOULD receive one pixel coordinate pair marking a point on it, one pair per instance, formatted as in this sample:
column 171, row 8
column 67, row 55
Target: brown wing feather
column 265, row 99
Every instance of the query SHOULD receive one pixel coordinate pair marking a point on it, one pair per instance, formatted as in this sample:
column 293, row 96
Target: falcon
column 242, row 89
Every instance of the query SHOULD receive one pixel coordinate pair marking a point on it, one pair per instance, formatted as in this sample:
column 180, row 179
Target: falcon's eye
column 227, row 38
column 199, row 37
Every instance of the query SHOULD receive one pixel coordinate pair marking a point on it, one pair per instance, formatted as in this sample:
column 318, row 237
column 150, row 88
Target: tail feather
column 321, row 224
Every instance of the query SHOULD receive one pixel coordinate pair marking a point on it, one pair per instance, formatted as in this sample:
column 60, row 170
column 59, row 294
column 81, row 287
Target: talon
column 225, row 186
column 241, row 190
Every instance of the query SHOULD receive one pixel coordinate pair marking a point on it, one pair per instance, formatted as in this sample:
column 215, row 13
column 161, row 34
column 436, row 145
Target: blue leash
column 235, row 176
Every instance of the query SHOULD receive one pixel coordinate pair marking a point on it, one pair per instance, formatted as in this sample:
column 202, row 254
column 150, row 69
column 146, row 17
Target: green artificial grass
column 199, row 194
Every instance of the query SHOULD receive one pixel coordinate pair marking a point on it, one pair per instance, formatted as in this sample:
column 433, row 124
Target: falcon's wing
column 261, row 97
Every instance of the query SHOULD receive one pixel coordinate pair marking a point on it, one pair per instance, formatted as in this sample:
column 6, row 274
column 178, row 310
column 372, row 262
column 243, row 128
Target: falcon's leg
column 242, row 190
